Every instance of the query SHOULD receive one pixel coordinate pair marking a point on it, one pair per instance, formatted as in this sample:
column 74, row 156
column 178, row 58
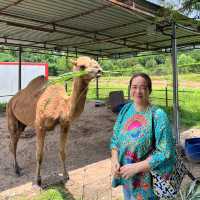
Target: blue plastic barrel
column 192, row 149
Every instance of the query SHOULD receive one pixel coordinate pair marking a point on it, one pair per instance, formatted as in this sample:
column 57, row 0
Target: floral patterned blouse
column 134, row 139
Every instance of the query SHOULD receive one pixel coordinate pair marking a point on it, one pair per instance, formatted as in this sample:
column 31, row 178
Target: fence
column 100, row 89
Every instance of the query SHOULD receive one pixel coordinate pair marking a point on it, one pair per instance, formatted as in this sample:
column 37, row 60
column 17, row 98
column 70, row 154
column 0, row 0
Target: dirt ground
column 88, row 143
column 87, row 155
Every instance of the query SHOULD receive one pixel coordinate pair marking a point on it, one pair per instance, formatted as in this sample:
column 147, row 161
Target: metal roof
column 94, row 27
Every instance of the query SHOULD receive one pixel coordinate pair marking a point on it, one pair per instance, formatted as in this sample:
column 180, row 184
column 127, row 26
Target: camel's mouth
column 99, row 73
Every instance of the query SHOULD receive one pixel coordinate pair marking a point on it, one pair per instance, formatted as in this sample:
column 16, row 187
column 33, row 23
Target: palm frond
column 66, row 77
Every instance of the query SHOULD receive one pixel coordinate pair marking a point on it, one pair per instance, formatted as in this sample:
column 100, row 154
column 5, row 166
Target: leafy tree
column 195, row 55
column 185, row 59
column 191, row 5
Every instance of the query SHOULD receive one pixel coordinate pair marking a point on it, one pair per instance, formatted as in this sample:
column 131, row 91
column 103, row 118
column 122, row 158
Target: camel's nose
column 99, row 71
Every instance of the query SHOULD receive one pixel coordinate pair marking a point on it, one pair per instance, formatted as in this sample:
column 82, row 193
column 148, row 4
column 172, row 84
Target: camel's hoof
column 65, row 179
column 18, row 171
column 39, row 181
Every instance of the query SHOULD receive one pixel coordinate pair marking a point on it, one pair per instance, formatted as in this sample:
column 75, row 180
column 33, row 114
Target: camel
column 43, row 106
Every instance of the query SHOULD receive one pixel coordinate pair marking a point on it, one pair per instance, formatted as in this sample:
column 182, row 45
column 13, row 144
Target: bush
column 189, row 68
column 2, row 107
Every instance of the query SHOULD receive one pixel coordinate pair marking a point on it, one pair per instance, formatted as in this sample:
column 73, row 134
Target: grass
column 51, row 193
column 2, row 107
column 55, row 193
column 182, row 77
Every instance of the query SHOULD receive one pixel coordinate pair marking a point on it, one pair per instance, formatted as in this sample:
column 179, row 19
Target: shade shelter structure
column 99, row 28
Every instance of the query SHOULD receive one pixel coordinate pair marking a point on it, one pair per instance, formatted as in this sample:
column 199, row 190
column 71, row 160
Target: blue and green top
column 141, row 135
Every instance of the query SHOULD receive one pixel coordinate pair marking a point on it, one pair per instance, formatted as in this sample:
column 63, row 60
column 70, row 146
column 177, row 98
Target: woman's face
column 140, row 91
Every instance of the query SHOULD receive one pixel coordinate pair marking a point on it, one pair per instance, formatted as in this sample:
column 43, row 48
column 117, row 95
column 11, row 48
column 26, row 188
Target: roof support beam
column 38, row 28
column 132, row 8
column 82, row 14
column 12, row 4
column 140, row 33
column 177, row 38
column 99, row 32
column 81, row 51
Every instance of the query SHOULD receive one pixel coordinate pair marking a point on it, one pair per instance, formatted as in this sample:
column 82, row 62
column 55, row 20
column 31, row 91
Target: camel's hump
column 36, row 83
column 24, row 102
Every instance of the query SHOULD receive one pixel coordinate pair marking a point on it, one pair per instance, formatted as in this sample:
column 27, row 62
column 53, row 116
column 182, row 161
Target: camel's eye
column 82, row 67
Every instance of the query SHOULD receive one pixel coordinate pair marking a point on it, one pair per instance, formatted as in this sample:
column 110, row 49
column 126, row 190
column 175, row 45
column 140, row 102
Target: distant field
column 189, row 94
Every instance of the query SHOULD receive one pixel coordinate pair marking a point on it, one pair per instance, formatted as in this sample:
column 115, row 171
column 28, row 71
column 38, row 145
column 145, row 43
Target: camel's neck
column 78, row 97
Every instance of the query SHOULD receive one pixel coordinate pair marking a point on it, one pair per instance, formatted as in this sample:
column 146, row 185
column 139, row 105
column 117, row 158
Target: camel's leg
column 15, row 128
column 63, row 140
column 14, row 137
column 40, row 135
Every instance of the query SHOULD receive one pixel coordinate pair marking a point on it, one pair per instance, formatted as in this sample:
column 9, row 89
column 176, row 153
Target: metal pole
column 129, row 92
column 166, row 97
column 175, row 85
column 97, row 84
column 97, row 88
column 67, row 60
column 76, row 52
column 20, row 70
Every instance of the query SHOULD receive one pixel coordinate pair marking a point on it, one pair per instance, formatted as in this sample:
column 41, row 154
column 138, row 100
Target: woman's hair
column 145, row 77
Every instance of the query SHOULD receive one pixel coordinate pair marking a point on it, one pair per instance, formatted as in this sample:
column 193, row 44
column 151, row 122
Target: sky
column 175, row 3
column 171, row 2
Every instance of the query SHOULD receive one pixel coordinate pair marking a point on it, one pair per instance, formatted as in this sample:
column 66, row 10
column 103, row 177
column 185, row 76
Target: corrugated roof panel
column 43, row 9
column 91, row 26
column 5, row 3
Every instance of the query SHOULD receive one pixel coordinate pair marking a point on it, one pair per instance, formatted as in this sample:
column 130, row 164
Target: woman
column 142, row 141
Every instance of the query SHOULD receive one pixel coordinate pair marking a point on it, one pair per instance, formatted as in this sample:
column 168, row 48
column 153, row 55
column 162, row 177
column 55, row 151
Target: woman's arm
column 129, row 170
column 164, row 141
column 164, row 148
column 115, row 163
column 114, row 144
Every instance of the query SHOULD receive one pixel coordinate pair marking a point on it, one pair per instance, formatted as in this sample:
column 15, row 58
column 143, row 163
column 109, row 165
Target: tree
column 191, row 5
column 184, row 59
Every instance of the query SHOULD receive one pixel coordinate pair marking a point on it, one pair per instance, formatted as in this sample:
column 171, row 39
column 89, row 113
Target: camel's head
column 88, row 65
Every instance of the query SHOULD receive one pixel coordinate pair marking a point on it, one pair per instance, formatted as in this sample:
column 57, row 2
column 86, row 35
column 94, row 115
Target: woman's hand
column 129, row 170
column 115, row 168
column 115, row 163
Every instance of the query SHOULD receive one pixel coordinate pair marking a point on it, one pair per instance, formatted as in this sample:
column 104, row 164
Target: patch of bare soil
column 87, row 157
column 182, row 84
column 88, row 142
